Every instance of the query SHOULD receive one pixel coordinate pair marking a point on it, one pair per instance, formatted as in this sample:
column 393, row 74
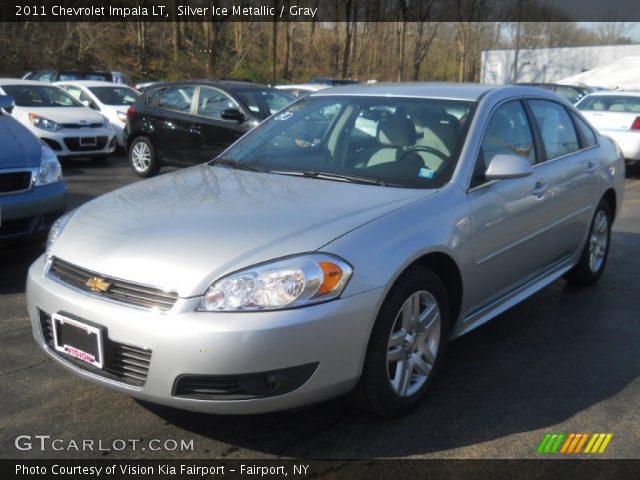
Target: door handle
column 539, row 189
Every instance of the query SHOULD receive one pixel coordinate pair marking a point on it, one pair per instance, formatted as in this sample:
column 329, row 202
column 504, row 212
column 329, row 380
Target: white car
column 302, row 89
column 617, row 115
column 59, row 120
column 109, row 99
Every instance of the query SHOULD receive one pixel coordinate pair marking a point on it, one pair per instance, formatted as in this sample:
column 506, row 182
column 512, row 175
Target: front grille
column 79, row 125
column 14, row 181
column 53, row 144
column 123, row 292
column 73, row 144
column 122, row 363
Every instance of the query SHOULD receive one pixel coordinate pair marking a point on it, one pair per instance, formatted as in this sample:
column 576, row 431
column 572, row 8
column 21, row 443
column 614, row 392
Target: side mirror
column 504, row 166
column 6, row 103
column 86, row 103
column 233, row 114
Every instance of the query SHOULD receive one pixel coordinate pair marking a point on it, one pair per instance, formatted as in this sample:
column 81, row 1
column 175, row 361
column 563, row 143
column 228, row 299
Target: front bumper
column 70, row 142
column 29, row 213
column 331, row 335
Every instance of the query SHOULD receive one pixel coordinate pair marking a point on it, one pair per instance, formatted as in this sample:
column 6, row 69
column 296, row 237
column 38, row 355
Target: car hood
column 63, row 114
column 20, row 147
column 184, row 230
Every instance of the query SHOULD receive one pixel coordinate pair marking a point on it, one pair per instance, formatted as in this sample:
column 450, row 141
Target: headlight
column 288, row 283
column 122, row 116
column 44, row 123
column 56, row 230
column 50, row 170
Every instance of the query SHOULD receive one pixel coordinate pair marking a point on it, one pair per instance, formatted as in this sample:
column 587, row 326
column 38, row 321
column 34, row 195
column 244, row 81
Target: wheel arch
column 447, row 270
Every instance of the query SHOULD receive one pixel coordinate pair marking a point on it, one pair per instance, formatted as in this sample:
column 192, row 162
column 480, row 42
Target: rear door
column 211, row 134
column 508, row 217
column 566, row 176
column 171, row 119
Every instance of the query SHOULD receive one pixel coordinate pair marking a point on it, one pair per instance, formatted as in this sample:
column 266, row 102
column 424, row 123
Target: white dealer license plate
column 77, row 339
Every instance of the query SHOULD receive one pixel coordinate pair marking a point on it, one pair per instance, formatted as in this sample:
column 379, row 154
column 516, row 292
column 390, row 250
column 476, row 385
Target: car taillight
column 636, row 124
column 131, row 111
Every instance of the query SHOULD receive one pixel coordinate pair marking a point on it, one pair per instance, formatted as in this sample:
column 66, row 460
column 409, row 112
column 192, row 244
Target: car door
column 211, row 134
column 508, row 217
column 566, row 173
column 170, row 115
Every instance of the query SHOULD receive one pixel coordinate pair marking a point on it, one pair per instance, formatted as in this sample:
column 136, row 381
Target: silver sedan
column 334, row 249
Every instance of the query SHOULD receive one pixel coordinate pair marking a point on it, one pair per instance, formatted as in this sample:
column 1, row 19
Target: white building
column 548, row 64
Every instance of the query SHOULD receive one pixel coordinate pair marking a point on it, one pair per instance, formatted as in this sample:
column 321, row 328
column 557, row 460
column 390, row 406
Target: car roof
column 306, row 86
column 224, row 84
column 19, row 81
column 91, row 83
column 452, row 91
column 626, row 93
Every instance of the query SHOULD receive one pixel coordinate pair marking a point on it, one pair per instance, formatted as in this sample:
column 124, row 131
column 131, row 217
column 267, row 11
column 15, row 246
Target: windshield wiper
column 341, row 177
column 235, row 164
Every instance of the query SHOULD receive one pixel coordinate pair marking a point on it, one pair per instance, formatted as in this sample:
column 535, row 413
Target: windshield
column 115, row 95
column 611, row 103
column 405, row 142
column 40, row 96
column 263, row 103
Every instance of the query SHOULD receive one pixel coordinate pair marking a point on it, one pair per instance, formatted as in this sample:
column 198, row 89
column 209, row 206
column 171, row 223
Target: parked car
column 616, row 115
column 573, row 93
column 283, row 272
column 332, row 82
column 300, row 90
column 59, row 120
column 72, row 75
column 142, row 85
column 32, row 191
column 184, row 123
column 111, row 100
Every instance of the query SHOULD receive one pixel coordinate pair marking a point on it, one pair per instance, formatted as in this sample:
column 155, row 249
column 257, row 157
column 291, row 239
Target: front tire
column 406, row 345
column 142, row 157
column 589, row 268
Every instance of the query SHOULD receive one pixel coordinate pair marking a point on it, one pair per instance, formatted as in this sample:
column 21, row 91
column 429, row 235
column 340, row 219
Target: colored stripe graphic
column 598, row 442
column 573, row 443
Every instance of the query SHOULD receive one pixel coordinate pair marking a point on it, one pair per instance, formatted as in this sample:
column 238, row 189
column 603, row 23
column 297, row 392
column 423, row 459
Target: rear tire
column 406, row 347
column 594, row 256
column 142, row 157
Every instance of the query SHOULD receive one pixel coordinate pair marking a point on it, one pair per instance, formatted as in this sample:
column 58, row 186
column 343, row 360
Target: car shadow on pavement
column 15, row 260
column 633, row 170
column 565, row 350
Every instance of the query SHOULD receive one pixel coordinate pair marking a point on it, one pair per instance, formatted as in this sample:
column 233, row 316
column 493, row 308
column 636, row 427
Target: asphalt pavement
column 566, row 360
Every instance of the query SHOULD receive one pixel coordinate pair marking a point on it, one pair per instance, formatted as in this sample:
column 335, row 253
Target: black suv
column 184, row 123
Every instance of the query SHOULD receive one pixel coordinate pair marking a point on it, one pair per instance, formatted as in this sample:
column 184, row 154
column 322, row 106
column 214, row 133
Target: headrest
column 397, row 131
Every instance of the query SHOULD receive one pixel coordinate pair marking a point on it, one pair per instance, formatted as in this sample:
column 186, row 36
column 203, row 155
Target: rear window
column 115, row 95
column 177, row 98
column 263, row 103
column 611, row 103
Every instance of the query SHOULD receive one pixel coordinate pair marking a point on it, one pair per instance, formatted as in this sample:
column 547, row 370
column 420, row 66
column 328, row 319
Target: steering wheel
column 424, row 148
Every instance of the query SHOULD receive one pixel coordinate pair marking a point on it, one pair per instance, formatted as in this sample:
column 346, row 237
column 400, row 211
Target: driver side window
column 508, row 132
